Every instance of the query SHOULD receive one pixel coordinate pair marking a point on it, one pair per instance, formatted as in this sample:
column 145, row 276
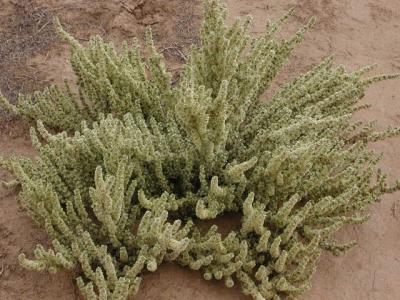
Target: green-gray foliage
column 124, row 192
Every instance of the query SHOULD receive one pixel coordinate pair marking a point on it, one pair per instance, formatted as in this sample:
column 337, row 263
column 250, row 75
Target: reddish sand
column 357, row 32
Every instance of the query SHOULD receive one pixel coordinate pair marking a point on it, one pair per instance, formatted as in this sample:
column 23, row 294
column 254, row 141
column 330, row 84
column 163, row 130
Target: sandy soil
column 357, row 32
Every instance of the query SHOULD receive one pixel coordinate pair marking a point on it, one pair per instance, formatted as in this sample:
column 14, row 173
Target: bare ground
column 357, row 32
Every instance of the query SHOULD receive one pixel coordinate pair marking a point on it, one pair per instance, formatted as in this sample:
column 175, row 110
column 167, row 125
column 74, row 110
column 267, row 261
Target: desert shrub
column 138, row 162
